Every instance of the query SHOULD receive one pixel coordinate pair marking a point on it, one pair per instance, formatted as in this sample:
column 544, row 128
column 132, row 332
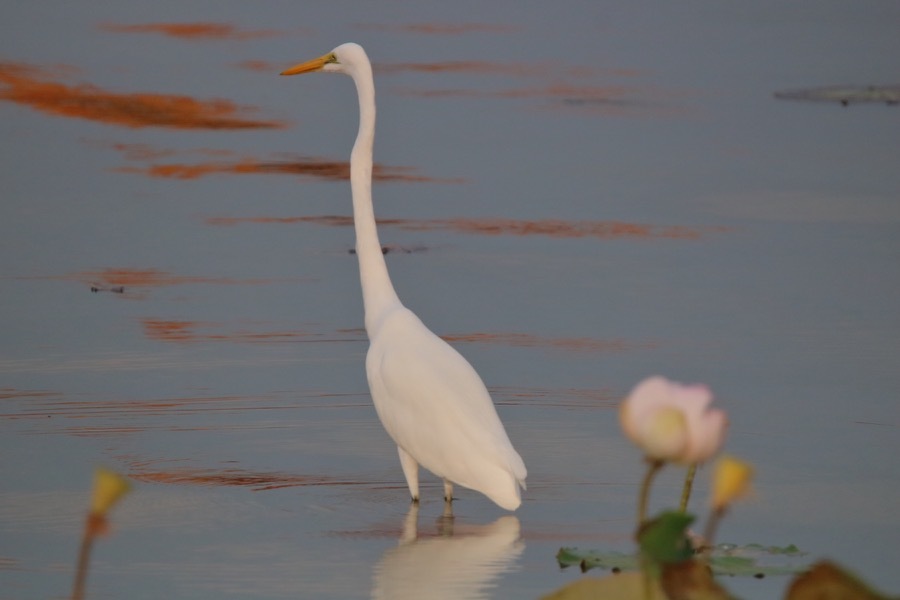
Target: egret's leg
column 411, row 472
column 448, row 491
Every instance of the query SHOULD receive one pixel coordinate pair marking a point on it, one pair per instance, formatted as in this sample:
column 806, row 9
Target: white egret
column 429, row 398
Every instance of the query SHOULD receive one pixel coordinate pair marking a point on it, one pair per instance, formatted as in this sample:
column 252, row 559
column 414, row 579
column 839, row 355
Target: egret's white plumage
column 429, row 398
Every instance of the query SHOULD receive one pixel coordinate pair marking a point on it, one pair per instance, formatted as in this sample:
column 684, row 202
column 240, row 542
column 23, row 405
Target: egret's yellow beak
column 311, row 65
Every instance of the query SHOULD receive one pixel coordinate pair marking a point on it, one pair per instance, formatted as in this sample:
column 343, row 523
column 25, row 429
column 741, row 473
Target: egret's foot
column 448, row 491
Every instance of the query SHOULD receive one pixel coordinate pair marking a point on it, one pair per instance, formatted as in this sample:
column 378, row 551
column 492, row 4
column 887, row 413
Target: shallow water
column 577, row 198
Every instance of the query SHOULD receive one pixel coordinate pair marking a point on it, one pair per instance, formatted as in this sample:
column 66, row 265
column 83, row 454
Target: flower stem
column 93, row 525
column 712, row 525
column 688, row 484
column 654, row 466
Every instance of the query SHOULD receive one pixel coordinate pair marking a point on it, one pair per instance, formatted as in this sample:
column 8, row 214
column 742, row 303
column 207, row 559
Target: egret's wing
column 434, row 404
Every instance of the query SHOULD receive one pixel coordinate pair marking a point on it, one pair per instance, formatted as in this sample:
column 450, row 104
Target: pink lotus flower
column 672, row 422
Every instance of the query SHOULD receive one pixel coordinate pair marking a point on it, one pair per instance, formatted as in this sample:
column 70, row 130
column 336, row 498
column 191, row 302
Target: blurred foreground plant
column 731, row 482
column 109, row 487
column 673, row 423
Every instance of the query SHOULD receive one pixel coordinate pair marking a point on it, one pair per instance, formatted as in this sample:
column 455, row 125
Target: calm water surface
column 577, row 197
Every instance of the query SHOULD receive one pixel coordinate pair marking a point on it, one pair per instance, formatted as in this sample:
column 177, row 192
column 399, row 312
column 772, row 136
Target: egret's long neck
column 378, row 292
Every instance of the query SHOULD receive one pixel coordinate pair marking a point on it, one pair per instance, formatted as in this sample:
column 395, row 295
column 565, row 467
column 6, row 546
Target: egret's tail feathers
column 507, row 496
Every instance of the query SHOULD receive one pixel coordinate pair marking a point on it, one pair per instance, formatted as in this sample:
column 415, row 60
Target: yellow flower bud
column 731, row 481
column 109, row 487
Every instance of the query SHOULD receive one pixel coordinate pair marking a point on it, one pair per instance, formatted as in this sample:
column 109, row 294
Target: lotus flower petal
column 671, row 421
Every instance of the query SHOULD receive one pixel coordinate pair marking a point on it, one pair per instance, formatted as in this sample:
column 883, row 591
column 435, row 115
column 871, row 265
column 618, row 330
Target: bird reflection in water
column 451, row 564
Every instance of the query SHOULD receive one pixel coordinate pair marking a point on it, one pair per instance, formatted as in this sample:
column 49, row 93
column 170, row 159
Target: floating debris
column 115, row 289
column 845, row 94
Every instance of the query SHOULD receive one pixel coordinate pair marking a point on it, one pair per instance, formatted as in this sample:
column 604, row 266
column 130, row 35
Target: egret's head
column 346, row 58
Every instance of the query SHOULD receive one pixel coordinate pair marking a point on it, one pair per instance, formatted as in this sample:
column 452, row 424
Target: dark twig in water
column 116, row 289
column 845, row 94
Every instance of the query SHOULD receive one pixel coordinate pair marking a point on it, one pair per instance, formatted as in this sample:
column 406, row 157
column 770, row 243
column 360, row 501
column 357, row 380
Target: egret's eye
column 332, row 58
